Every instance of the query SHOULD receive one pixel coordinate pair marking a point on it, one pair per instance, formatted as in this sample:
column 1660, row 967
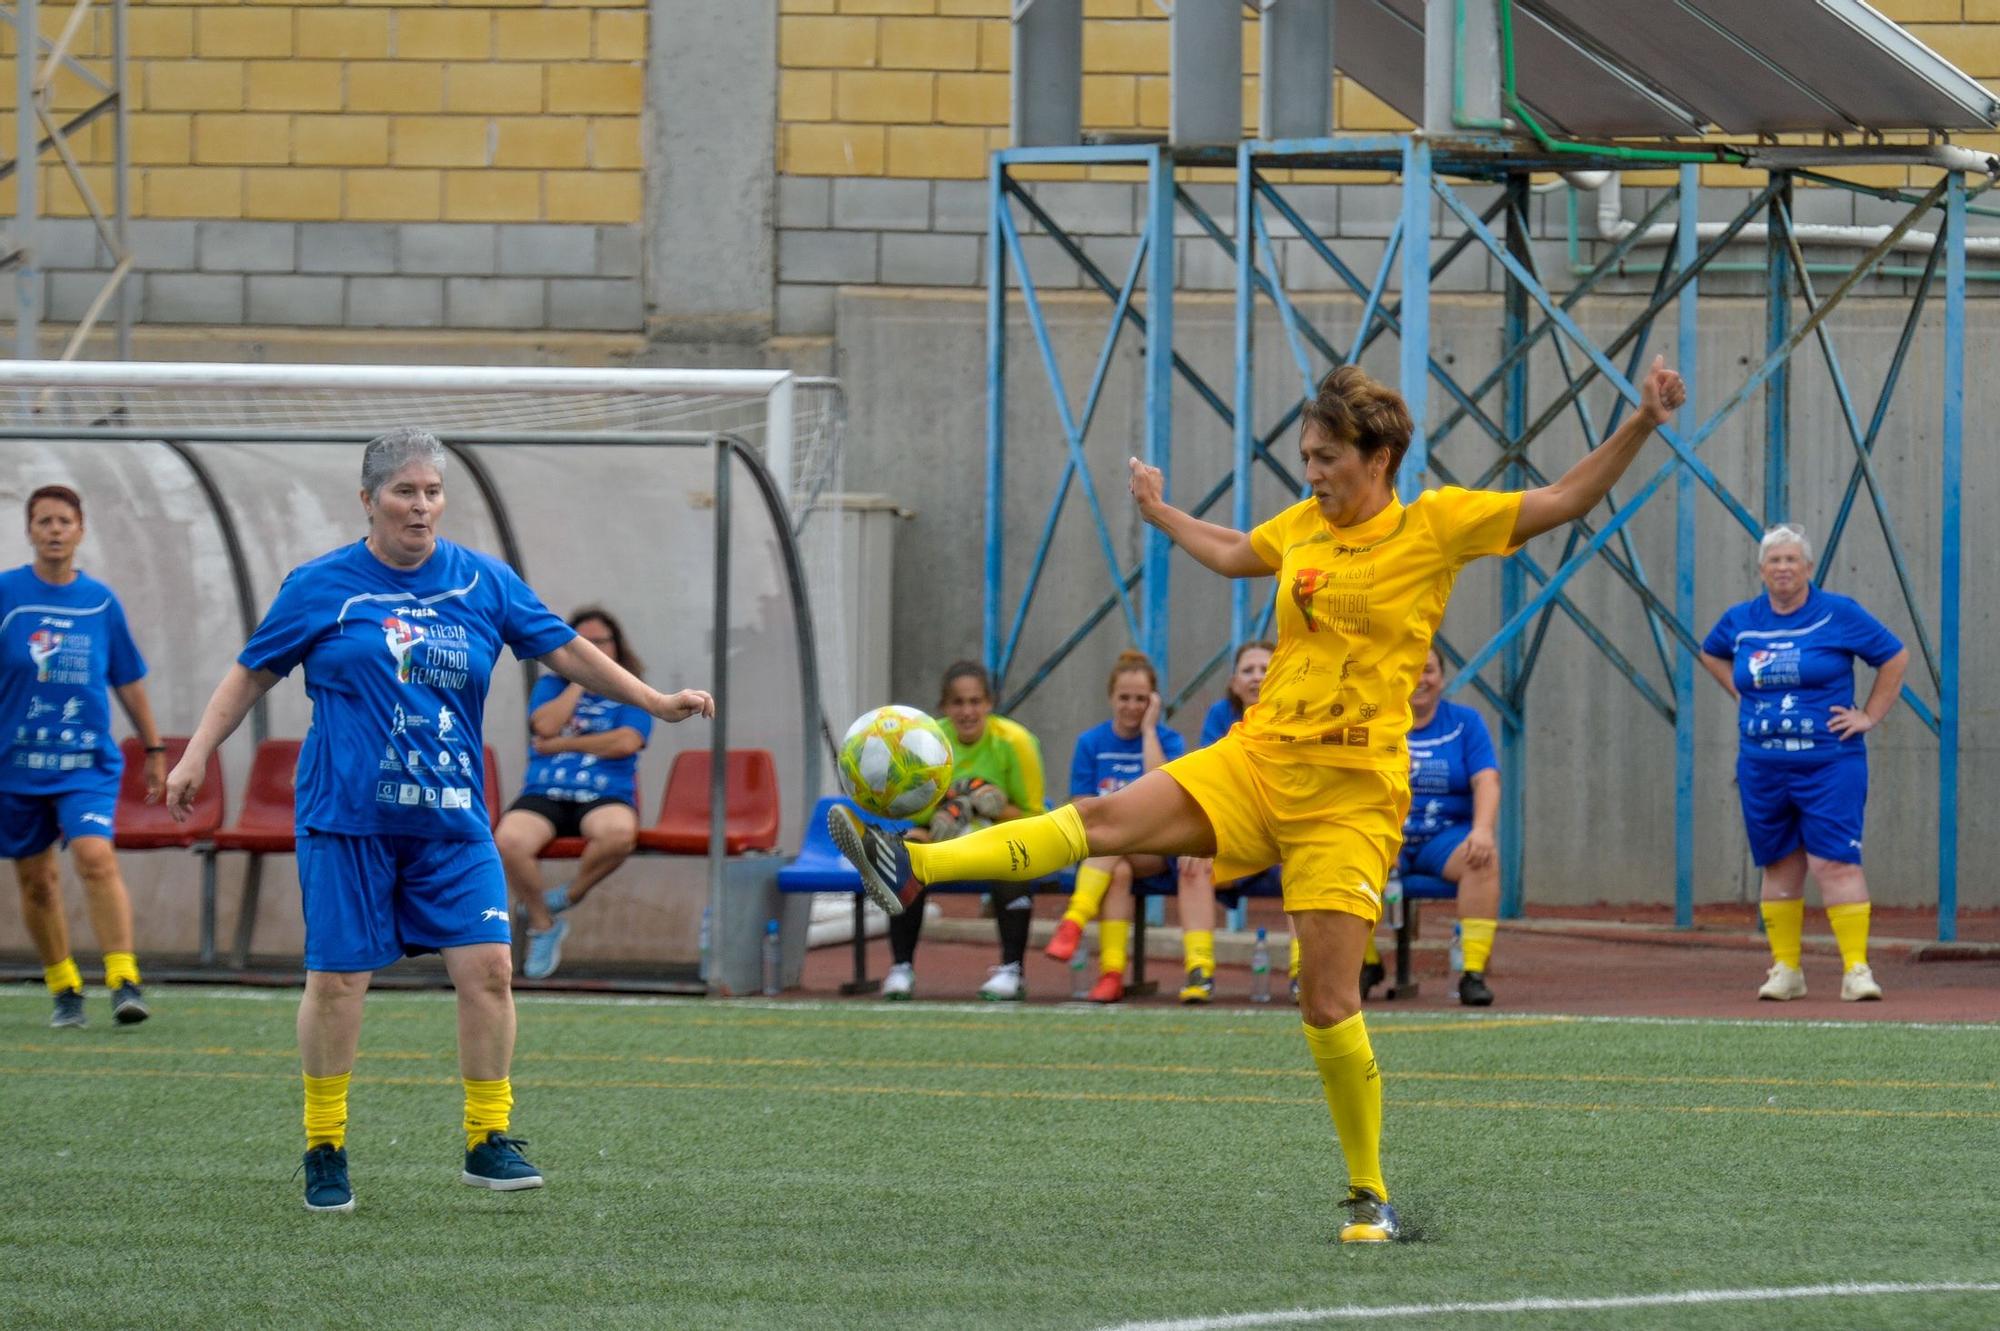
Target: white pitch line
column 1693, row 1297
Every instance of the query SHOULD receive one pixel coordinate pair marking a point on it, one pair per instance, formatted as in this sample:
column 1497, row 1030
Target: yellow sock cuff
column 1293, row 967
column 1784, row 923
column 488, row 1107
column 1850, row 930
column 1111, row 944
column 326, row 1110
column 1088, row 897
column 1199, row 947
column 63, row 976
column 120, row 967
column 1339, row 1041
column 1022, row 851
column 1476, row 937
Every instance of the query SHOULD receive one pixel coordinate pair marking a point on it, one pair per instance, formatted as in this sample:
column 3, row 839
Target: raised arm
column 1584, row 485
column 231, row 702
column 580, row 663
column 1222, row 550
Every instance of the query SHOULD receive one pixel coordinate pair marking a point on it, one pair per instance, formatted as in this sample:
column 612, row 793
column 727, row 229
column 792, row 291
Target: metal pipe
column 718, row 731
column 1613, row 225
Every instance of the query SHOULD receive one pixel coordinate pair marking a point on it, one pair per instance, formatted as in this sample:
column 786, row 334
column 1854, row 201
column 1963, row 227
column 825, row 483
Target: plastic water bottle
column 1079, row 971
column 1457, row 949
column 774, row 961
column 1392, row 900
column 706, row 943
column 1260, row 970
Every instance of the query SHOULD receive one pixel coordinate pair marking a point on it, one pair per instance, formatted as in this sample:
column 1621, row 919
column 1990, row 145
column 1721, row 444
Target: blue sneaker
column 545, row 951
column 326, row 1179
column 128, row 1004
column 497, row 1163
column 557, row 898
column 1369, row 1219
column 69, row 1010
column 882, row 860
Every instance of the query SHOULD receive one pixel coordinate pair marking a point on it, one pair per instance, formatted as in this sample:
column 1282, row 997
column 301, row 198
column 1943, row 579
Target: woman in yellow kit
column 1315, row 779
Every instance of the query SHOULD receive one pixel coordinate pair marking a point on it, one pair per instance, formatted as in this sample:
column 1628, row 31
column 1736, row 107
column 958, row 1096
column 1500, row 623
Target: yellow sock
column 120, row 967
column 1353, row 1096
column 1476, row 937
column 1088, row 897
column 63, row 976
column 1850, row 930
column 1111, row 944
column 1199, row 947
column 1370, row 954
column 326, row 1110
column 488, row 1105
column 1293, row 969
column 1784, row 921
column 1017, row 852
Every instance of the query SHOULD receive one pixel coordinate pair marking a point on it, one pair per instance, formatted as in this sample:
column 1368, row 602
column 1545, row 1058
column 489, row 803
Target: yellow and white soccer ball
column 896, row 762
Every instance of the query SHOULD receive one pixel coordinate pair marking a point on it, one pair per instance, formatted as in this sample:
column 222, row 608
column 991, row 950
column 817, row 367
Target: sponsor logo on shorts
column 492, row 913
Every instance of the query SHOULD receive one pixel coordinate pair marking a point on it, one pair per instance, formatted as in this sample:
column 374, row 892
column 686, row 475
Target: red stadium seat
column 571, row 847
column 143, row 826
column 264, row 826
column 750, row 810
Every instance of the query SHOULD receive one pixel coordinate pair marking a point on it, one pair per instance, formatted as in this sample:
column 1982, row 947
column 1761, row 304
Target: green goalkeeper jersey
column 1008, row 755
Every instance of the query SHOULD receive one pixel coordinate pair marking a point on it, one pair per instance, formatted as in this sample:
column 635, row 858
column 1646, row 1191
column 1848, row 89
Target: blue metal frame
column 1426, row 166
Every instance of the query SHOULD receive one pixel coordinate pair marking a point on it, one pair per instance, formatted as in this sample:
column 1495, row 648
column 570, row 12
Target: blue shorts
column 1819, row 806
column 30, row 824
column 369, row 900
column 1427, row 856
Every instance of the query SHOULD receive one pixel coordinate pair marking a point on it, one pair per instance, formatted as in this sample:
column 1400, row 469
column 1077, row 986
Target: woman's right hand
column 680, row 706
column 1149, row 488
column 183, row 784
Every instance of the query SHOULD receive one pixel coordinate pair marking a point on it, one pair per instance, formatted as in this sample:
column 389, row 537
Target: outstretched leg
column 1331, row 943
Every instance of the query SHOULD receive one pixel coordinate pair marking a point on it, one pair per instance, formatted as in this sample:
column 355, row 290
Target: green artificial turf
column 743, row 1164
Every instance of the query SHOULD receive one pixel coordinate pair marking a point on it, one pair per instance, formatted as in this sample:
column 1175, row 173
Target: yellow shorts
column 1335, row 831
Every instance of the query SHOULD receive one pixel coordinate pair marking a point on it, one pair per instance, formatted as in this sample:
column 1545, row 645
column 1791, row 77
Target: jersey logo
column 42, row 648
column 401, row 638
column 1304, row 583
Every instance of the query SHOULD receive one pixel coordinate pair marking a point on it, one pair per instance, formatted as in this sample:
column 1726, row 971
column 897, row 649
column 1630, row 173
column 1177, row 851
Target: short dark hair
column 626, row 656
column 1364, row 412
column 60, row 493
column 958, row 670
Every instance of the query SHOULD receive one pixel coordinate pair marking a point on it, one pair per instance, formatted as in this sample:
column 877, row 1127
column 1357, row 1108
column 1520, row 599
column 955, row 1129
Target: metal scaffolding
column 1431, row 172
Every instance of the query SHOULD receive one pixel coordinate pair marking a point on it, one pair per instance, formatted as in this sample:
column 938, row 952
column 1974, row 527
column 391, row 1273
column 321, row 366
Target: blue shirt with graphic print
column 64, row 647
column 585, row 777
column 1444, row 757
column 1792, row 670
column 397, row 664
column 1221, row 715
column 1104, row 762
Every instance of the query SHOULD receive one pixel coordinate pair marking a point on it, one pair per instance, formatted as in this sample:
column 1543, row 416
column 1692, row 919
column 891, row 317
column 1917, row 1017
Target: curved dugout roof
column 1624, row 68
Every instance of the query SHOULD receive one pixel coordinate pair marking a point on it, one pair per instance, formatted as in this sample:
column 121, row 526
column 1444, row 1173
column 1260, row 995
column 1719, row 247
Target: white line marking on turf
column 1356, row 1312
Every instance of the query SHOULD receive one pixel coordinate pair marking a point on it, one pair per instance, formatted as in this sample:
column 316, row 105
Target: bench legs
column 861, row 984
column 246, row 916
column 207, row 938
column 1405, row 920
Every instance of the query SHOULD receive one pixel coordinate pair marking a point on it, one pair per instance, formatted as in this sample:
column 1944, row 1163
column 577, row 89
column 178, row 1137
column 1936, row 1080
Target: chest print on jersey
column 1334, row 598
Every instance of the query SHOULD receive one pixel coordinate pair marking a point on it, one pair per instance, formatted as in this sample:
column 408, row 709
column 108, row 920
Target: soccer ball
column 895, row 761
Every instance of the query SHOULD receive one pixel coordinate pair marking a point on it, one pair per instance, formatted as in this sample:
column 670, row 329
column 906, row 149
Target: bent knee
column 619, row 843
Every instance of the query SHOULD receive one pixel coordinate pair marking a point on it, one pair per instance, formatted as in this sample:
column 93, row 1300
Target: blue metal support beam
column 1688, row 248
column 1952, row 237
column 1777, row 330
column 1154, row 637
column 1416, row 314
column 1245, row 433
column 1514, row 417
column 996, row 417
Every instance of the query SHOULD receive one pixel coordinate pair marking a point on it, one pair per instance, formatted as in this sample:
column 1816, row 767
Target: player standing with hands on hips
column 1316, row 778
column 399, row 634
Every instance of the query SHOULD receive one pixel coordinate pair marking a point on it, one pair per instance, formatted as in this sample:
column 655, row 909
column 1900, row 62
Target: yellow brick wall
column 369, row 110
column 918, row 88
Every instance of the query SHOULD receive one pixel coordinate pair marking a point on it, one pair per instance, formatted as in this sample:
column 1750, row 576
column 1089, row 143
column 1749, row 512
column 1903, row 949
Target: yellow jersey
column 1356, row 609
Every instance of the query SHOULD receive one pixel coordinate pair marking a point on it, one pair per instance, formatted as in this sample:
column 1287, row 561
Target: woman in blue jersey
column 1108, row 758
column 1196, row 895
column 399, row 634
column 581, row 781
column 63, row 643
column 1787, row 657
column 1454, row 808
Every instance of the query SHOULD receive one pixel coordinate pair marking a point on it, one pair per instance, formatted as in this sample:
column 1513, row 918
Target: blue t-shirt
column 64, row 647
column 1103, row 762
column 1792, row 670
column 584, row 777
column 1444, row 757
column 397, row 665
column 1216, row 723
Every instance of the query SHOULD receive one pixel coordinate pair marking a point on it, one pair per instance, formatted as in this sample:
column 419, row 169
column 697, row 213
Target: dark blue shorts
column 1428, row 855
column 30, row 824
column 369, row 900
column 1818, row 806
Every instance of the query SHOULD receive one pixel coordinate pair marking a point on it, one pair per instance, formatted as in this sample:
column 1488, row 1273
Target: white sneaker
column 1858, row 985
column 1783, row 983
column 899, row 981
column 1004, row 984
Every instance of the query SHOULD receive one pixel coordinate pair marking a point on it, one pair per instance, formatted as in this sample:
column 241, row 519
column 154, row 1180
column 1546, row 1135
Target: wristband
column 156, row 748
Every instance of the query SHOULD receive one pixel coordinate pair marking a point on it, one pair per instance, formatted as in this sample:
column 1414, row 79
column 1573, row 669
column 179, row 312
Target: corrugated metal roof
column 1626, row 68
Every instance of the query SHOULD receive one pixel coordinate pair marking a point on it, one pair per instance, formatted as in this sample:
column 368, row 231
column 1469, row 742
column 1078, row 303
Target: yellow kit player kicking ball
column 1315, row 777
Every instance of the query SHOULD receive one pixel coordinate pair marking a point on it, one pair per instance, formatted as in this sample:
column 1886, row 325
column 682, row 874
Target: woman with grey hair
column 399, row 634
column 1787, row 657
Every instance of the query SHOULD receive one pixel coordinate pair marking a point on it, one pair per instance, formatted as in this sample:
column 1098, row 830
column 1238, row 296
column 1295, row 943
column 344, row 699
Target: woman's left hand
column 1848, row 722
column 156, row 777
column 680, row 706
column 1479, row 848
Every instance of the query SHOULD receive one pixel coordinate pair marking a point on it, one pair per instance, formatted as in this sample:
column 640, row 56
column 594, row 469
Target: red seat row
column 264, row 825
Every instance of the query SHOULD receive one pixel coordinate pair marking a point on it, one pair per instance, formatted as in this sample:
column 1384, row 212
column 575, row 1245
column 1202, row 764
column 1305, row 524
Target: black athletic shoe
column 1472, row 990
column 128, row 1005
column 327, row 1188
column 1372, row 974
column 881, row 859
column 69, row 1010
